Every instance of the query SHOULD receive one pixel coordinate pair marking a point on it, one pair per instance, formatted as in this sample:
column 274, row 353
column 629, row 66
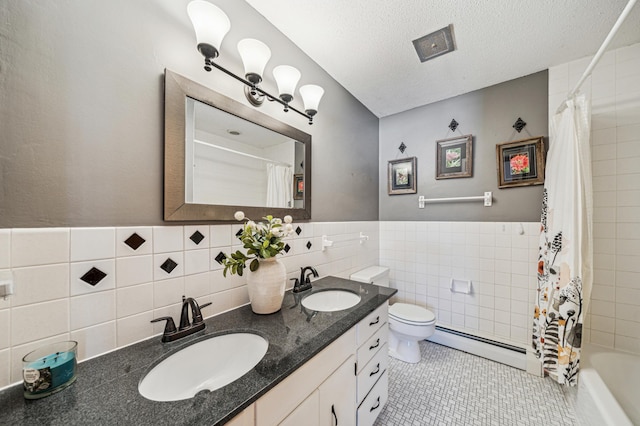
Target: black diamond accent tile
column 519, row 124
column 402, row 147
column 453, row 125
column 298, row 230
column 134, row 241
column 309, row 245
column 220, row 257
column 287, row 248
column 196, row 237
column 93, row 276
column 239, row 232
column 168, row 265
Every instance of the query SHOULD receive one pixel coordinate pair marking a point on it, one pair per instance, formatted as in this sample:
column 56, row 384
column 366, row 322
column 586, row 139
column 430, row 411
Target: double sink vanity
column 300, row 365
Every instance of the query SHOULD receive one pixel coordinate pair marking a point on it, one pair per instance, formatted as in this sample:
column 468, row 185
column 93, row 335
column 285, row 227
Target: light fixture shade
column 311, row 95
column 210, row 23
column 255, row 55
column 287, row 78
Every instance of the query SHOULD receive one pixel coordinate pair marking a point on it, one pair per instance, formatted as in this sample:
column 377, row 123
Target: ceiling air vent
column 435, row 44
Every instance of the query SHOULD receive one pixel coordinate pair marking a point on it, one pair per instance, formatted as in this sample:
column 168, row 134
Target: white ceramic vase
column 266, row 286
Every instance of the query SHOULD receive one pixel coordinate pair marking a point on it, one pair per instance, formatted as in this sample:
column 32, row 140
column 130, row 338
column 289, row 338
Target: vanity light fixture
column 211, row 25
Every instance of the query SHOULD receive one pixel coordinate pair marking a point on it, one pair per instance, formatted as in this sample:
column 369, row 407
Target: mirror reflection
column 231, row 161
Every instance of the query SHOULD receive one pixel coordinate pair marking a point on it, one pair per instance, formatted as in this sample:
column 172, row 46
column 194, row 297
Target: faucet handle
column 197, row 313
column 170, row 326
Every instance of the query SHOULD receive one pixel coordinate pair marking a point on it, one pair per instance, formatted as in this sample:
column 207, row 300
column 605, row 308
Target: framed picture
column 454, row 157
column 520, row 163
column 298, row 186
column 402, row 176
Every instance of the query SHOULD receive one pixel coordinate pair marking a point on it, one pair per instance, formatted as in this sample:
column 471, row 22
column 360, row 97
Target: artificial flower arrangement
column 262, row 240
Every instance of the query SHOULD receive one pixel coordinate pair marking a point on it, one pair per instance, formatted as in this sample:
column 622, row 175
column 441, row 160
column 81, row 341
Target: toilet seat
column 411, row 314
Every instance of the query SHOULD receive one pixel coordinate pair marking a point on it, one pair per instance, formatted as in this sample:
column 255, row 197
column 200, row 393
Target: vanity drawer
column 372, row 322
column 372, row 405
column 372, row 346
column 370, row 373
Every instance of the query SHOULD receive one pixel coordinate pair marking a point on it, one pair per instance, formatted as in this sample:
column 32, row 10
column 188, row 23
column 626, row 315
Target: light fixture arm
column 269, row 96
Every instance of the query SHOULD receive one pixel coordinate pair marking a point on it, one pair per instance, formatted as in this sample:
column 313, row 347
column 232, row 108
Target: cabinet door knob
column 335, row 416
column 375, row 322
column 376, row 345
column 376, row 371
column 375, row 406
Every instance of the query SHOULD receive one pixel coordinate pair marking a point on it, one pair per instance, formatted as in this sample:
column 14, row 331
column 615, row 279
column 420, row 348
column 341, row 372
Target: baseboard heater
column 497, row 351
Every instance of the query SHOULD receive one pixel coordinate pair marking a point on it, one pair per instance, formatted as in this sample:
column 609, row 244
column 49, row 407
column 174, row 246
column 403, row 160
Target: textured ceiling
column 366, row 45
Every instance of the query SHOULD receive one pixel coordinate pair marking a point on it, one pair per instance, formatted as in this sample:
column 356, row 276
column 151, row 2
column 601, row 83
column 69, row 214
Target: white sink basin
column 330, row 300
column 209, row 364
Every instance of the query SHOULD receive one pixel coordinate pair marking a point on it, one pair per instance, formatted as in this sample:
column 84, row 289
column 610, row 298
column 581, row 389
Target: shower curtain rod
column 596, row 58
column 233, row 151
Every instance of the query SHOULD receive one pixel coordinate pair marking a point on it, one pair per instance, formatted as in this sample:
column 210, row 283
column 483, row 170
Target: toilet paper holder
column 460, row 286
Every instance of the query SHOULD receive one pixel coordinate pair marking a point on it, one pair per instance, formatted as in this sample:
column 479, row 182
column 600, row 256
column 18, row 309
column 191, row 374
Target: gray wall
column 81, row 111
column 488, row 115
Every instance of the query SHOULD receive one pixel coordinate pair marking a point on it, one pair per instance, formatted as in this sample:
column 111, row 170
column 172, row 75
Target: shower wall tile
column 613, row 319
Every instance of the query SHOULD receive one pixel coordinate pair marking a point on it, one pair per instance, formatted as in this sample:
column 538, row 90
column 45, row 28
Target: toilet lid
column 411, row 314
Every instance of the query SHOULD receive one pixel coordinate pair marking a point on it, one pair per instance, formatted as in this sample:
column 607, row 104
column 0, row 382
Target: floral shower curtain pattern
column 565, row 253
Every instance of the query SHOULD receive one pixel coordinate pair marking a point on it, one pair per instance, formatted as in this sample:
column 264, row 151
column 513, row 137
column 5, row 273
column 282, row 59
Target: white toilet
column 408, row 323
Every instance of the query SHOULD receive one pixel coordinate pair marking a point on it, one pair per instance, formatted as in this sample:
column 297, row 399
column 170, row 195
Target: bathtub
column 608, row 391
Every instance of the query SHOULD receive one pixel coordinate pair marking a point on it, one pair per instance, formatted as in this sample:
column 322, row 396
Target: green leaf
column 254, row 265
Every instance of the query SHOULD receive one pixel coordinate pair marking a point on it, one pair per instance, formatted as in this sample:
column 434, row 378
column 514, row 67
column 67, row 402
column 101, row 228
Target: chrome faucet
column 186, row 327
column 304, row 283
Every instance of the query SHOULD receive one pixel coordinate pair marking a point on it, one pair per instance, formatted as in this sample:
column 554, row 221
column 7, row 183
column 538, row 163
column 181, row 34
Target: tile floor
column 451, row 387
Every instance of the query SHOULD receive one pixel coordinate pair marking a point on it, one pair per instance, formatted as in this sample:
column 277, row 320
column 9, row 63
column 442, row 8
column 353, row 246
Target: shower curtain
column 565, row 253
column 279, row 186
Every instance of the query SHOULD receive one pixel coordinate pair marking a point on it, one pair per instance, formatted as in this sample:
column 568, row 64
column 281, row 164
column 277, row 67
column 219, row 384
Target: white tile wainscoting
column 52, row 302
column 499, row 258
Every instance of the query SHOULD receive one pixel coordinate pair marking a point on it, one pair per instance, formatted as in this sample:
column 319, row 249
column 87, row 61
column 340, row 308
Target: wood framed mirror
column 222, row 156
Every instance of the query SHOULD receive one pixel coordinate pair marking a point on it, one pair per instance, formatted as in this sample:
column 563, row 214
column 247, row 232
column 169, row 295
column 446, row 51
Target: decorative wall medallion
column 402, row 147
column 168, row 265
column 220, row 257
column 519, row 124
column 93, row 276
column 196, row 237
column 453, row 125
column 134, row 241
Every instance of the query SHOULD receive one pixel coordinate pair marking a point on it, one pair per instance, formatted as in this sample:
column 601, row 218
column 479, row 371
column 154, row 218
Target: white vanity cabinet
column 331, row 369
column 372, row 362
column 345, row 384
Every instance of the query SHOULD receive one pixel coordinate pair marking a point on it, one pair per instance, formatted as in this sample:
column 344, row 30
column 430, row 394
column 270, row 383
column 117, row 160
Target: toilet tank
column 378, row 275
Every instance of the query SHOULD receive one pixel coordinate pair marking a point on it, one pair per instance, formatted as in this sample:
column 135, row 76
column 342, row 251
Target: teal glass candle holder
column 49, row 369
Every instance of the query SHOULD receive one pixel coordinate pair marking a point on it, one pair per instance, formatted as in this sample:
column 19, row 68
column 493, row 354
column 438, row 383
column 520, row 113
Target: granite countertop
column 106, row 389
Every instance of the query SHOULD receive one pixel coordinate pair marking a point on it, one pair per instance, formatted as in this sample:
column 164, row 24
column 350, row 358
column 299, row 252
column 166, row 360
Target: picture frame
column 521, row 162
column 298, row 186
column 454, row 157
column 402, row 176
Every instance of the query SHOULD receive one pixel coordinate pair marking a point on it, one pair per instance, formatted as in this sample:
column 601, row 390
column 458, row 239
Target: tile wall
column 613, row 318
column 103, row 286
column 498, row 258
